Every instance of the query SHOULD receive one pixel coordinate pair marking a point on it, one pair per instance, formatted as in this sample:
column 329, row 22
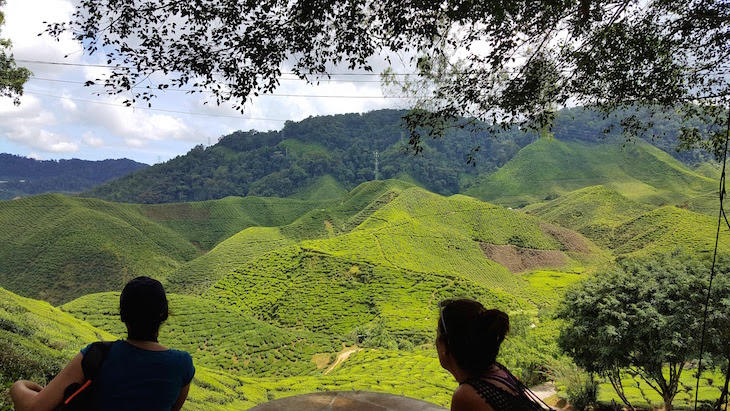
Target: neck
column 462, row 375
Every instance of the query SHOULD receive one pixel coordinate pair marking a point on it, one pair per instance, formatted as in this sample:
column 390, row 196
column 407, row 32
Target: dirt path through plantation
column 342, row 356
column 544, row 390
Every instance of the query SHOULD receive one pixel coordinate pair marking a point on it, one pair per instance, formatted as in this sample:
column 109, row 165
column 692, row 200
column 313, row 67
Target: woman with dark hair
column 136, row 374
column 467, row 341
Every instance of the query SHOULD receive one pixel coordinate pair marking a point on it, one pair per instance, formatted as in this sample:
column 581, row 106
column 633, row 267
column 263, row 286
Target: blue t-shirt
column 132, row 378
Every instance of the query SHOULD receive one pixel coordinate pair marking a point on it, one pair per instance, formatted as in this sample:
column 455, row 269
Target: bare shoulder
column 467, row 398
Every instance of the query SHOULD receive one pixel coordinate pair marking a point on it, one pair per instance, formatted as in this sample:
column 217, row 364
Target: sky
column 59, row 118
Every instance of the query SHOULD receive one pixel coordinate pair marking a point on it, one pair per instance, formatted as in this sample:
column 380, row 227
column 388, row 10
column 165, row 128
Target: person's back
column 141, row 379
column 136, row 374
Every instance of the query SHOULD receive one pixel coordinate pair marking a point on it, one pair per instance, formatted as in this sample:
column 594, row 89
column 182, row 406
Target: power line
column 154, row 109
column 59, row 63
column 260, row 94
column 721, row 70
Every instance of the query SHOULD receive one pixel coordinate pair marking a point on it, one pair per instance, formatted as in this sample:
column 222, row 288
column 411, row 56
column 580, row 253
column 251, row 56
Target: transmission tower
column 377, row 156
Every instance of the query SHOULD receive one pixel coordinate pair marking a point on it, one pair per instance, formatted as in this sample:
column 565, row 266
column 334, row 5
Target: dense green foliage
column 21, row 176
column 643, row 318
column 320, row 157
column 12, row 77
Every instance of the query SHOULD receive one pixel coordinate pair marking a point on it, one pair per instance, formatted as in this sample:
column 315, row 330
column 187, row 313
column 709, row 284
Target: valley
column 335, row 285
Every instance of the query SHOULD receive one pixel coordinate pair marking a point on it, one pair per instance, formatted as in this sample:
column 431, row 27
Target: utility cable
column 154, row 109
column 714, row 259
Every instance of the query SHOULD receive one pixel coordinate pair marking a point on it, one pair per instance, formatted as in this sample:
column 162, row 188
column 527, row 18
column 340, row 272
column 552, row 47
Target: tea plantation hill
column 22, row 176
column 549, row 168
column 390, row 270
column 592, row 211
column 58, row 248
column 628, row 228
column 339, row 217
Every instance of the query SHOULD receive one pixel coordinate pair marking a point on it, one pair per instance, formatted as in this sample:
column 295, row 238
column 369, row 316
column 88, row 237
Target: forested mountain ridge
column 287, row 162
column 22, row 176
column 282, row 163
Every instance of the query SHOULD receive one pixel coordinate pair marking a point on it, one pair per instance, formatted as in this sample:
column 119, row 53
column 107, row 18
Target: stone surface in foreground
column 347, row 400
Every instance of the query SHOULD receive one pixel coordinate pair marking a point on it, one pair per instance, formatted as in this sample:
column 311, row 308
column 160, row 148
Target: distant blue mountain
column 22, row 176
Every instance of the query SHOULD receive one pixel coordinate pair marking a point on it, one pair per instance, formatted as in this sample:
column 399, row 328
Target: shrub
column 581, row 391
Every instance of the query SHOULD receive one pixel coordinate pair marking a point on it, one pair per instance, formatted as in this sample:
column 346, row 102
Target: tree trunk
column 619, row 388
column 718, row 405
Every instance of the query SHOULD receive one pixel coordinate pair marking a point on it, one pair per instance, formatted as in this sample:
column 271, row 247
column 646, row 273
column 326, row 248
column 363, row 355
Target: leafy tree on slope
column 643, row 318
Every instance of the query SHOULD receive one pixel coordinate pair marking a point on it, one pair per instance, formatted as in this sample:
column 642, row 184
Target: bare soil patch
column 518, row 259
column 569, row 240
column 321, row 360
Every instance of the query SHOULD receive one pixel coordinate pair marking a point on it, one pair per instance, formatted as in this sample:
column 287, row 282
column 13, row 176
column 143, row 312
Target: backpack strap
column 94, row 359
column 90, row 365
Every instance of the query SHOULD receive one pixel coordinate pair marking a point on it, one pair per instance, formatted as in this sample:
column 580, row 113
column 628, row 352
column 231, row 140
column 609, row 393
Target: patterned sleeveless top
column 502, row 400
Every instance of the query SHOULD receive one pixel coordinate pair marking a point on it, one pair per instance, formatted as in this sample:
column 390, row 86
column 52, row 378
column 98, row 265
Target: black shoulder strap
column 91, row 365
column 94, row 359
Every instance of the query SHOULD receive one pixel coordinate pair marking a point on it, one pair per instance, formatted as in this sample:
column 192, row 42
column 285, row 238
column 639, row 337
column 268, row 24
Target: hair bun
column 497, row 322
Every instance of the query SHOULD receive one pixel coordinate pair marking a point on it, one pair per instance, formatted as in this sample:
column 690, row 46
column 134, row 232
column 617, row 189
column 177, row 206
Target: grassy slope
column 423, row 232
column 357, row 206
column 393, row 267
column 318, row 292
column 252, row 242
column 207, row 223
column 550, row 168
column 57, row 247
column 593, row 211
column 665, row 229
column 37, row 340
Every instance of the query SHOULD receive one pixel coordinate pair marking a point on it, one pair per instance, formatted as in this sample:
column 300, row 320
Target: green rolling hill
column 336, row 218
column 57, row 248
column 665, row 229
column 423, row 232
column 324, row 188
column 37, row 340
column 550, row 168
column 390, row 270
column 628, row 228
column 593, row 211
column 207, row 223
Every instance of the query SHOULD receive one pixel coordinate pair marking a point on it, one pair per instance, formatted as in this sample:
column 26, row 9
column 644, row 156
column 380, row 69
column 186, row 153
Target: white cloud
column 59, row 146
column 90, row 140
column 24, row 21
